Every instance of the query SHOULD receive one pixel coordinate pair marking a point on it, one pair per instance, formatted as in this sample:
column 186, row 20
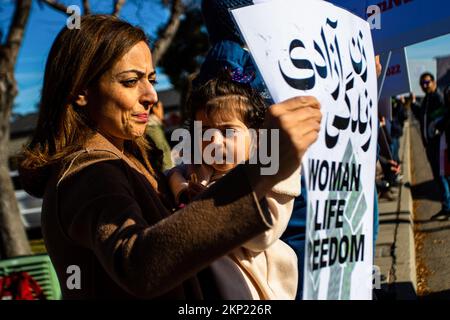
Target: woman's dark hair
column 225, row 98
column 77, row 60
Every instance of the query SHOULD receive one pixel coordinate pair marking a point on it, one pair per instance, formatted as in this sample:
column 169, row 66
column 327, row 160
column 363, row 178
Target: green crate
column 40, row 268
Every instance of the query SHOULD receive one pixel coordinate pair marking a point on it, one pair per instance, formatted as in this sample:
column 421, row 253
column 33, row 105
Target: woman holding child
column 109, row 210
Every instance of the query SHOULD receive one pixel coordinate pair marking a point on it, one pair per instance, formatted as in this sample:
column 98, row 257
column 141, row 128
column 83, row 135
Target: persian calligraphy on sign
column 314, row 48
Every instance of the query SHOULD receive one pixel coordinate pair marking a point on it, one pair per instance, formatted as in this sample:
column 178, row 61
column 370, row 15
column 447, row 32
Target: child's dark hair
column 225, row 98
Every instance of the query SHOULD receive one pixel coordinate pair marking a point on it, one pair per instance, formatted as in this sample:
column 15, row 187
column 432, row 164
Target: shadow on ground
column 443, row 295
column 396, row 291
column 426, row 190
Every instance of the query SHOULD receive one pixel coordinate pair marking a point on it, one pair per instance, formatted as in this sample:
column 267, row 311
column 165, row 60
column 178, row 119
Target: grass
column 38, row 246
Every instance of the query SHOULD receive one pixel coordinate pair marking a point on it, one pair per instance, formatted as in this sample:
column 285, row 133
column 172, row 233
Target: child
column 268, row 265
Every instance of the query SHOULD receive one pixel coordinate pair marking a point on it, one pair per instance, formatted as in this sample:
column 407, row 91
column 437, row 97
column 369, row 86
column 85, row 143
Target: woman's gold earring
column 81, row 100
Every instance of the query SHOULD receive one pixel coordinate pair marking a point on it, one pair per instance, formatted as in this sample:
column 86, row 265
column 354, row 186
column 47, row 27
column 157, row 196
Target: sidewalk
column 395, row 248
column 431, row 233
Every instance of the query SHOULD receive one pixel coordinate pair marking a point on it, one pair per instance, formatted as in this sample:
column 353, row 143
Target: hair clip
column 240, row 75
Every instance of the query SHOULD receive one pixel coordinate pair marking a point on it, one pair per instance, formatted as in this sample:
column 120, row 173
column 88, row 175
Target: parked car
column 29, row 206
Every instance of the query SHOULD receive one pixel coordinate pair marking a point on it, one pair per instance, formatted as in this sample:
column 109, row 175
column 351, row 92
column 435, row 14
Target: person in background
column 431, row 115
column 399, row 117
column 155, row 131
column 391, row 168
column 447, row 119
column 445, row 159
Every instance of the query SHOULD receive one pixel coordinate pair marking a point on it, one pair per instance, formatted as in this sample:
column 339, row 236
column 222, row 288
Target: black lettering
column 313, row 173
column 340, row 214
column 316, row 245
column 343, row 250
column 302, row 64
column 356, row 174
column 331, row 211
column 357, row 249
column 323, row 173
column 323, row 253
column 345, row 178
column 335, row 176
column 333, row 253
column 317, row 225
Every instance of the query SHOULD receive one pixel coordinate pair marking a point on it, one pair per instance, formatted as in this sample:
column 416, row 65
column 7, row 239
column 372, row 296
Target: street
column 432, row 236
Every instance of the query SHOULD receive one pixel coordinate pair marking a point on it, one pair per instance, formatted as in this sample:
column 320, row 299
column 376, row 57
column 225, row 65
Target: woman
column 106, row 210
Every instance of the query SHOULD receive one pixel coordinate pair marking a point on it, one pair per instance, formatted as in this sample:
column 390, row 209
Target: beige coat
column 268, row 265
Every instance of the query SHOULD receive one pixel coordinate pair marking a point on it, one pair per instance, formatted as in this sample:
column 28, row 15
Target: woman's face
column 121, row 102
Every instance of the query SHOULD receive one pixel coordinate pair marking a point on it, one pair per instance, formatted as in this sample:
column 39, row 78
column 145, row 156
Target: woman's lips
column 141, row 117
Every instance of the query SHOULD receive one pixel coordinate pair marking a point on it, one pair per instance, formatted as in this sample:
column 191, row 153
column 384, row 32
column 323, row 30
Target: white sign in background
column 416, row 68
column 313, row 48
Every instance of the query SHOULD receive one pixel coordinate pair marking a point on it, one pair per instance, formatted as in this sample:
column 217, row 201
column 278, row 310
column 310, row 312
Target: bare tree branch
column 17, row 28
column 169, row 31
column 86, row 7
column 55, row 4
column 117, row 6
column 13, row 237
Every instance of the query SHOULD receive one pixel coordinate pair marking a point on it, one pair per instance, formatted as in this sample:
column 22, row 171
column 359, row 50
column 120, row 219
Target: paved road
column 432, row 236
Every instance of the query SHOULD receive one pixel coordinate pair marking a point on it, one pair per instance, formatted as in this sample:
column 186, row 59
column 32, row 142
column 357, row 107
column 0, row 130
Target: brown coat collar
column 98, row 148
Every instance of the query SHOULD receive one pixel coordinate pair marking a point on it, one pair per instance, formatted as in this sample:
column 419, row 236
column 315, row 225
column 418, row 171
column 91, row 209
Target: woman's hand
column 298, row 122
column 378, row 66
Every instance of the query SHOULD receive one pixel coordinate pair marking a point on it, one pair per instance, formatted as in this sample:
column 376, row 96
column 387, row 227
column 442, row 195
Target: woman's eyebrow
column 138, row 72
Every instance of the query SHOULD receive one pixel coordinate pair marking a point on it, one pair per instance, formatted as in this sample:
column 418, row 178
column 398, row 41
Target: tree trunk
column 13, row 236
column 169, row 31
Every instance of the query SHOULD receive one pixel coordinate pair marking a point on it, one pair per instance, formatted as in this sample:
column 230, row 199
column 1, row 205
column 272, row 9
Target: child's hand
column 195, row 188
column 192, row 191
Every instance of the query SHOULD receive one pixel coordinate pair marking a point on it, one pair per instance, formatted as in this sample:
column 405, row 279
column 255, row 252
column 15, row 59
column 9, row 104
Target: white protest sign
column 314, row 48
column 397, row 75
column 402, row 22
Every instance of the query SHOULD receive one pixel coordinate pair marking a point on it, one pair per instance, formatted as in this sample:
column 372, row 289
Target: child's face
column 229, row 142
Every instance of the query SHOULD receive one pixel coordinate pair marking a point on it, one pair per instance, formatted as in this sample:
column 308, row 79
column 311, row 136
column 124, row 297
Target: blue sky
column 433, row 48
column 46, row 22
column 42, row 28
